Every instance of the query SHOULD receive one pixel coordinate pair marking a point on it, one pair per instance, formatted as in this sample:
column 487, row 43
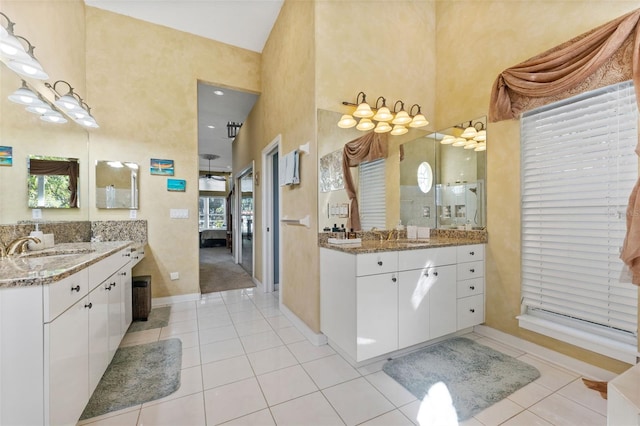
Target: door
column 245, row 221
column 271, row 216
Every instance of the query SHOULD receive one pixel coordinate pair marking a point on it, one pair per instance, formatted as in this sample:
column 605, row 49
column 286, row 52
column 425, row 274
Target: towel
column 289, row 169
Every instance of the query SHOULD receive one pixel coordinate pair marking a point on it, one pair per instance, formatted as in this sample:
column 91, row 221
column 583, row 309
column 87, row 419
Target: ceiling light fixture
column 218, row 92
column 380, row 120
column 73, row 105
column 209, row 175
column 211, row 126
column 14, row 54
column 232, row 129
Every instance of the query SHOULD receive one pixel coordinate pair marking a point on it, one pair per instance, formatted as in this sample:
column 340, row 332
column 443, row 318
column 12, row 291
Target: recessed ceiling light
column 211, row 126
column 218, row 92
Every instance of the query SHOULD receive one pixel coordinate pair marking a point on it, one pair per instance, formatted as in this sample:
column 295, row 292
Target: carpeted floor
column 218, row 272
column 475, row 377
column 137, row 374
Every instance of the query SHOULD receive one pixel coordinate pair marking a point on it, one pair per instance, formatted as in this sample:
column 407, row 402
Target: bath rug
column 158, row 317
column 137, row 374
column 475, row 375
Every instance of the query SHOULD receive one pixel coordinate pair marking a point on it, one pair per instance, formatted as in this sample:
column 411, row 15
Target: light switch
column 179, row 213
column 133, row 214
column 36, row 214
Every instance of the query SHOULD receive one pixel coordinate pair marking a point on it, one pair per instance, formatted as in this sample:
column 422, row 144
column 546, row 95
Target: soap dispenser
column 40, row 236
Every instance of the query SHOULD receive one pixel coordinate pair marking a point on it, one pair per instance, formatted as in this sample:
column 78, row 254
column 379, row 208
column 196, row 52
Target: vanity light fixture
column 36, row 104
column 448, row 140
column 25, row 96
column 382, row 119
column 73, row 105
column 473, row 136
column 14, row 54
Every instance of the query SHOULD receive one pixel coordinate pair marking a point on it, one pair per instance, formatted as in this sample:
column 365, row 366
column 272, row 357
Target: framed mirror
column 52, row 182
column 116, row 185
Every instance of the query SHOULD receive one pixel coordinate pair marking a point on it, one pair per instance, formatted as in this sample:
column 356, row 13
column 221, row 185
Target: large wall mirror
column 53, row 182
column 116, row 185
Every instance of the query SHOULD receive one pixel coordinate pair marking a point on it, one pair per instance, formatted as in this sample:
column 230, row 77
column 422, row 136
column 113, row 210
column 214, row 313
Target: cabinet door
column 98, row 334
column 68, row 382
column 413, row 306
column 442, row 301
column 115, row 314
column 126, row 307
column 376, row 315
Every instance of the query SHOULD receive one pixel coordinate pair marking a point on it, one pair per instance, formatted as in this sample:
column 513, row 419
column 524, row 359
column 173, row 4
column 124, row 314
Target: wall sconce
column 73, row 105
column 382, row 119
column 14, row 55
column 36, row 104
column 473, row 136
column 232, row 129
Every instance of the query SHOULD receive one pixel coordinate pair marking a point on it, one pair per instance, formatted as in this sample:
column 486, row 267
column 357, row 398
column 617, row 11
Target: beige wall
column 504, row 34
column 142, row 82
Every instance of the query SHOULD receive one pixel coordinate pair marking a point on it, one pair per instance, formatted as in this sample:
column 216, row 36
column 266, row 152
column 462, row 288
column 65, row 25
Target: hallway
column 218, row 272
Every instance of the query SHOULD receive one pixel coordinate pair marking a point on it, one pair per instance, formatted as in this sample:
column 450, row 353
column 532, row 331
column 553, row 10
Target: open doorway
column 244, row 222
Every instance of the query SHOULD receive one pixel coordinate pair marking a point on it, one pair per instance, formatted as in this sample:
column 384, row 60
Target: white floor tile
column 190, row 383
column 260, row 342
column 552, row 377
column 391, row 389
column 179, row 328
column 259, row 418
column 330, row 371
column 357, row 401
column 221, row 350
column 185, row 411
column 252, row 327
column 124, row 417
column 234, row 400
column 270, row 311
column 395, row 418
column 499, row 412
column 578, row 392
column 505, row 349
column 279, row 322
column 243, row 305
column 530, row 394
column 140, row 337
column 227, row 371
column 290, row 335
column 188, row 339
column 183, row 306
column 217, row 334
column 245, row 316
column 411, row 411
column 558, row 410
column 271, row 360
column 190, row 357
column 526, row 418
column 371, row 368
column 306, row 351
column 282, row 385
column 185, row 315
column 308, row 410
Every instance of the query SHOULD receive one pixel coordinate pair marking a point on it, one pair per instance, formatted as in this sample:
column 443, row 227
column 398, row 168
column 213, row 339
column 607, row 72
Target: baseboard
column 318, row 339
column 580, row 367
column 161, row 301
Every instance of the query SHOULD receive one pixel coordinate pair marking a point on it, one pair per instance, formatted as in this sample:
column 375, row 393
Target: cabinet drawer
column 471, row 287
column 470, row 311
column 98, row 272
column 59, row 296
column 136, row 256
column 469, row 270
column 425, row 258
column 470, row 253
column 376, row 263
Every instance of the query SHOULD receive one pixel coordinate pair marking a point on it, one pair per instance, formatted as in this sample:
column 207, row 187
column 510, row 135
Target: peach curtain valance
column 368, row 147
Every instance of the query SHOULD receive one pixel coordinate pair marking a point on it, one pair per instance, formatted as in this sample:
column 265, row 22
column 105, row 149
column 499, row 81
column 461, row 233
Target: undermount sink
column 58, row 252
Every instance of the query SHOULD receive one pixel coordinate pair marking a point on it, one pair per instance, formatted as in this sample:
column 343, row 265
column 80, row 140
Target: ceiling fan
column 209, row 175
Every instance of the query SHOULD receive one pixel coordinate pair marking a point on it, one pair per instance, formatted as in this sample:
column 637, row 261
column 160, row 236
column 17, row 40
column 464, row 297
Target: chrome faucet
column 19, row 244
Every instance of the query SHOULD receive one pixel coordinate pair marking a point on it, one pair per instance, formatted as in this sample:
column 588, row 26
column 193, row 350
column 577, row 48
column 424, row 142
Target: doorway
column 271, row 216
column 244, row 222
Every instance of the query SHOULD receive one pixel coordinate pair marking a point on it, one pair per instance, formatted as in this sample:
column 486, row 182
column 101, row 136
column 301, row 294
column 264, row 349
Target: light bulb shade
column 418, row 121
column 469, row 133
column 363, row 111
column 382, row 127
column 39, row 109
column 383, row 114
column 347, row 122
column 481, row 136
column 402, row 118
column 471, row 145
column 25, row 96
column 448, row 140
column 28, row 67
column 68, row 103
column 88, row 121
column 77, row 114
column 11, row 48
column 481, row 147
column 365, row 124
column 459, row 142
column 398, row 130
column 53, row 117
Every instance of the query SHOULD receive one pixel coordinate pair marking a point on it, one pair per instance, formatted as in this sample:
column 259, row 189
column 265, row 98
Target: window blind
column 372, row 202
column 577, row 171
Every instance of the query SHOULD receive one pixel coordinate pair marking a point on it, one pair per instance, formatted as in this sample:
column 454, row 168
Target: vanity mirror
column 116, row 185
column 52, row 182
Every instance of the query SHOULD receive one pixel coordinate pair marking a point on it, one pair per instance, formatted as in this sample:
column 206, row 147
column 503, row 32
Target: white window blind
column 578, row 169
column 372, row 202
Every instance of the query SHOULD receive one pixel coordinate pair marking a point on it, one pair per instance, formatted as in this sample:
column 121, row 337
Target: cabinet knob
column 76, row 288
column 89, row 305
column 435, row 273
column 394, row 279
column 124, row 274
column 472, row 253
column 113, row 284
column 472, row 287
column 107, row 287
column 379, row 262
column 472, row 310
column 472, row 270
column 127, row 254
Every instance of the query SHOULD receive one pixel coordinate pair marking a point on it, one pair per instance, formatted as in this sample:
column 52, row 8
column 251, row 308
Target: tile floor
column 244, row 363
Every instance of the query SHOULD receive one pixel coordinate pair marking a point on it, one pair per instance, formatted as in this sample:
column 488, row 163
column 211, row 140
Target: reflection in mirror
column 53, row 182
column 417, row 192
column 116, row 185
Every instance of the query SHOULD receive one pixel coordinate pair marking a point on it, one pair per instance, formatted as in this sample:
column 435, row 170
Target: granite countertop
column 56, row 263
column 375, row 246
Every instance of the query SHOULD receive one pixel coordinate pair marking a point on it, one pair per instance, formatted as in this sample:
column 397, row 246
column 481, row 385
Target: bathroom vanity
column 63, row 314
column 385, row 296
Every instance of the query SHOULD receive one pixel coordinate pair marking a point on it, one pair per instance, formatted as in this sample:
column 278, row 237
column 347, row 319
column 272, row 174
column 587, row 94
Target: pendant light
column 347, row 122
column 383, row 113
column 402, row 116
column 25, row 96
column 365, row 124
column 399, row 130
column 418, row 120
column 382, row 127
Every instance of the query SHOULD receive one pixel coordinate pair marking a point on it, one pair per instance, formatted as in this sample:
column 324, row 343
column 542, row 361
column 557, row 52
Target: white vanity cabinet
column 470, row 304
column 376, row 303
column 54, row 343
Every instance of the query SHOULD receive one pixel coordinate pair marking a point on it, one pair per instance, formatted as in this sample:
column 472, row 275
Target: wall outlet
column 36, row 214
column 133, row 214
column 179, row 213
column 174, row 276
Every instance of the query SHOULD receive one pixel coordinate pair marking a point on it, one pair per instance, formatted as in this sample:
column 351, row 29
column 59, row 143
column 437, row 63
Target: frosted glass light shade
column 365, row 124
column 53, row 117
column 460, row 142
column 399, row 130
column 481, row 136
column 11, row 48
column 402, row 118
column 68, row 103
column 28, row 67
column 383, row 114
column 469, row 133
column 481, row 147
column 25, row 96
column 347, row 122
column 382, row 127
column 471, row 145
column 418, row 121
column 363, row 111
column 448, row 140
column 38, row 109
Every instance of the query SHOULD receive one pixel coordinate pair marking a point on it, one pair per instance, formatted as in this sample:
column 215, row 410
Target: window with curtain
column 372, row 190
column 578, row 168
column 213, row 213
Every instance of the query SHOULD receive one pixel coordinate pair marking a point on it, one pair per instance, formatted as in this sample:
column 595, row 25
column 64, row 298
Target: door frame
column 237, row 222
column 267, row 216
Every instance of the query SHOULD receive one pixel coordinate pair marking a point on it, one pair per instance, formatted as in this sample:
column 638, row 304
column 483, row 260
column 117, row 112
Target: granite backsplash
column 80, row 231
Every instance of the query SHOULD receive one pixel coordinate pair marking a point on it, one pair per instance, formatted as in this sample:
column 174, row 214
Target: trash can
column 141, row 297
